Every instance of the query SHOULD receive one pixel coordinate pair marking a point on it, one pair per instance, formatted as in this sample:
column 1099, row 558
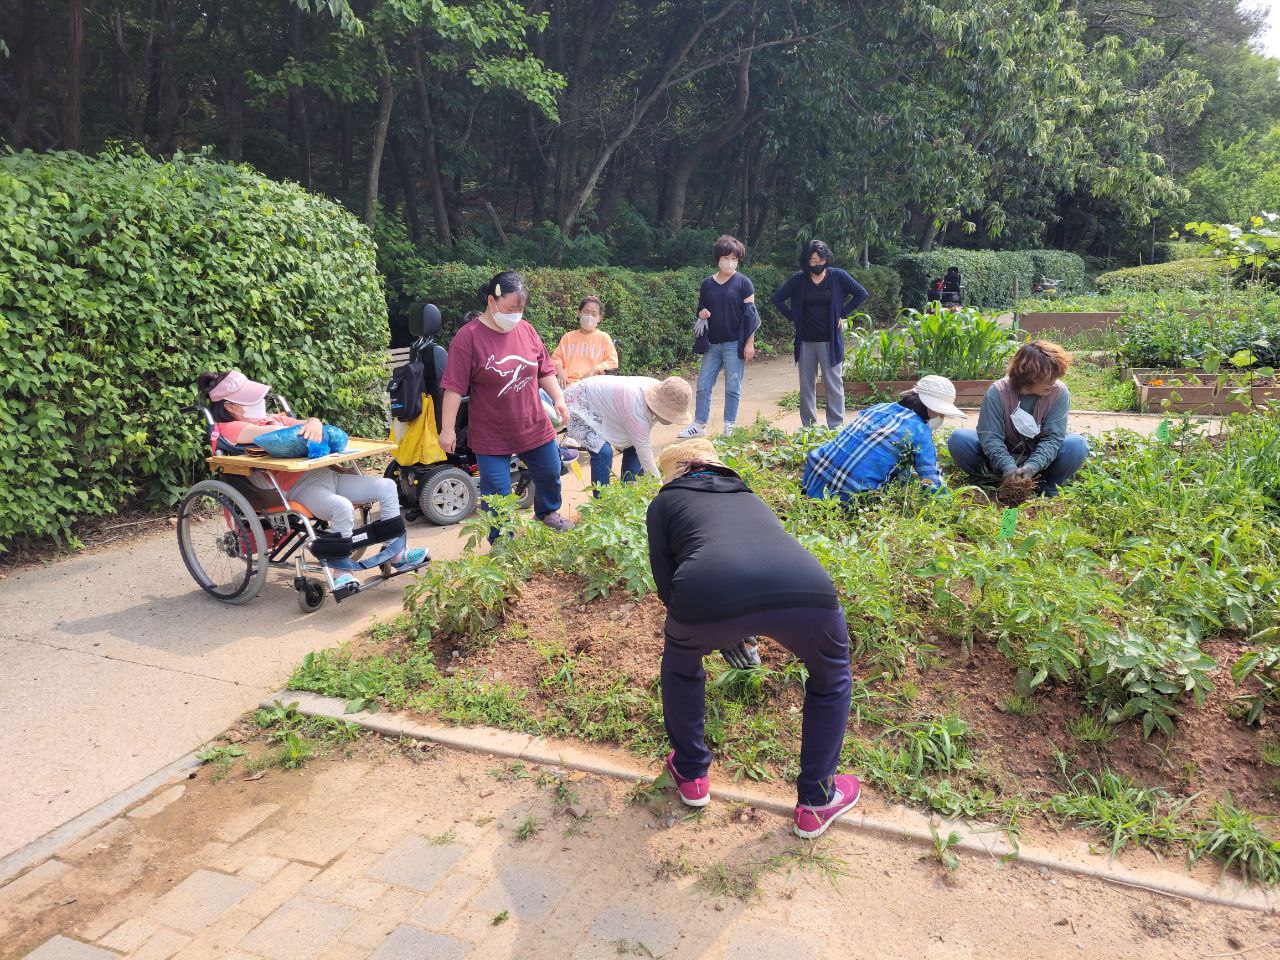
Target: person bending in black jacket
column 727, row 569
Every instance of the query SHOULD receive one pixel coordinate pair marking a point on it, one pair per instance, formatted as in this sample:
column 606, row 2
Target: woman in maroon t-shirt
column 499, row 360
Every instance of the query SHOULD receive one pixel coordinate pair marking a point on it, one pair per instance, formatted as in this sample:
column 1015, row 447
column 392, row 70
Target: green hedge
column 121, row 279
column 649, row 314
column 988, row 274
column 1192, row 274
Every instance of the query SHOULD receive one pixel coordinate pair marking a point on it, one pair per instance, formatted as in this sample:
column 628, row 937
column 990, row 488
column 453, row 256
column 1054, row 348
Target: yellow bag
column 418, row 440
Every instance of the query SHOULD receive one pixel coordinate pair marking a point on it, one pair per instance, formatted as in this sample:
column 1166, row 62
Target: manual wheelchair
column 231, row 532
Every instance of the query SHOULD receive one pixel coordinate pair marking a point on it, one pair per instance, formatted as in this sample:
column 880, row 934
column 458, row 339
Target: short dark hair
column 818, row 247
column 727, row 246
column 592, row 299
column 501, row 284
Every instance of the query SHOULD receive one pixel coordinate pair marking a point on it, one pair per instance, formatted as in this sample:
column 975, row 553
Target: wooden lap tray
column 243, row 464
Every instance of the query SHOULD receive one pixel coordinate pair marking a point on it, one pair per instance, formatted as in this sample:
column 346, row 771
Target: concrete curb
column 60, row 837
column 901, row 822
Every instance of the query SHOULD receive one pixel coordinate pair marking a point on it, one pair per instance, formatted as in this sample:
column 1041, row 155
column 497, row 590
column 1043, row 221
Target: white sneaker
column 694, row 429
column 729, row 427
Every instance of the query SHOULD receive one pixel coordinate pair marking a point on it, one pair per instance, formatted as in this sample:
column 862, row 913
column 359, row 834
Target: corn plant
column 962, row 345
column 879, row 355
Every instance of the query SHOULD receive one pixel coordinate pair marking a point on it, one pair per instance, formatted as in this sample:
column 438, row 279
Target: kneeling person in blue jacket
column 878, row 443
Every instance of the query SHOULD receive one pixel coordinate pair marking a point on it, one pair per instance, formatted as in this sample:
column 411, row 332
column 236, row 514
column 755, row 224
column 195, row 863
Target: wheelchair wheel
column 222, row 542
column 406, row 483
column 448, row 495
column 522, row 487
column 311, row 595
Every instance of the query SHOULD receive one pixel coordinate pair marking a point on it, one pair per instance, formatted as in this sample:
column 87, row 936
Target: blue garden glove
column 745, row 656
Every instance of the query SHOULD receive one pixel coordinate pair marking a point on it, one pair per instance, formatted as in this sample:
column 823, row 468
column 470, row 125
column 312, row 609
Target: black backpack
column 406, row 387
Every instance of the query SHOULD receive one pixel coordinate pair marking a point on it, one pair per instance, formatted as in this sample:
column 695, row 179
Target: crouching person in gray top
column 1022, row 427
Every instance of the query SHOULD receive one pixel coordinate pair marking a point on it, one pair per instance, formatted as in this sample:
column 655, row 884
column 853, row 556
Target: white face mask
column 728, row 265
column 507, row 321
column 935, row 423
column 587, row 321
column 1025, row 423
column 255, row 411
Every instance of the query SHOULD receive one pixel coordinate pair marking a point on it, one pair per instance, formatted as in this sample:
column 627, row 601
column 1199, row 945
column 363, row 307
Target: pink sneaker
column 693, row 793
column 813, row 821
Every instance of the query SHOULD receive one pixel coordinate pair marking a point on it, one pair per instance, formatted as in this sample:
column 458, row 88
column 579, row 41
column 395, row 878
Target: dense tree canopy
column 631, row 129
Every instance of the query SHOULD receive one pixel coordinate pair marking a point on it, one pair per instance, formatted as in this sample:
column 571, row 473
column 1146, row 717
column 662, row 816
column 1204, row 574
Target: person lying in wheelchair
column 238, row 407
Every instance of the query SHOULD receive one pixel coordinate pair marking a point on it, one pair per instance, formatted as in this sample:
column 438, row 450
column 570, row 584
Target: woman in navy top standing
column 724, row 334
column 816, row 300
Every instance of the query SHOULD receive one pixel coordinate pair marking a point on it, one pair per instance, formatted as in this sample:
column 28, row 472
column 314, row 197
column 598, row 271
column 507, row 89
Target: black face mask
column 817, row 269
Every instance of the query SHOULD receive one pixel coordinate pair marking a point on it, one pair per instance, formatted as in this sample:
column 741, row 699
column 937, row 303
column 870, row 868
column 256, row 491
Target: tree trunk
column 404, row 171
column 298, row 121
column 435, row 183
column 71, row 134
column 386, row 100
column 128, row 77
column 348, row 145
column 692, row 34
column 160, row 122
column 566, row 146
column 25, row 52
column 671, row 211
column 930, row 234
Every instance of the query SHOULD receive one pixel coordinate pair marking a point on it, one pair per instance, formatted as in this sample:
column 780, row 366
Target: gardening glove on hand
column 1025, row 471
column 745, row 656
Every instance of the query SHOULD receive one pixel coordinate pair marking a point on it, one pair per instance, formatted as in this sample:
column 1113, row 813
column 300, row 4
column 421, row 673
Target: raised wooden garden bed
column 1194, row 391
column 1067, row 323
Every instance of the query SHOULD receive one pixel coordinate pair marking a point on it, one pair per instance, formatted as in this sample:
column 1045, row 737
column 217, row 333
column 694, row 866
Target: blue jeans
column 817, row 637
column 602, row 465
column 966, row 451
column 544, row 470
column 721, row 356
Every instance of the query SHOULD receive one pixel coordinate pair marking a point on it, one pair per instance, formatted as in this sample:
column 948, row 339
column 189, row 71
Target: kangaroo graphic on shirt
column 516, row 370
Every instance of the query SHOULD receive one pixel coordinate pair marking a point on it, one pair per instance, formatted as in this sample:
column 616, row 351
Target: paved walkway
column 384, row 858
column 115, row 665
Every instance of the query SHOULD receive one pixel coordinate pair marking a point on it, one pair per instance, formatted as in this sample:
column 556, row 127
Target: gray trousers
column 815, row 357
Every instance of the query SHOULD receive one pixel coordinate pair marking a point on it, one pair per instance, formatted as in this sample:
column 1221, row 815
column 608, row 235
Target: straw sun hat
column 671, row 400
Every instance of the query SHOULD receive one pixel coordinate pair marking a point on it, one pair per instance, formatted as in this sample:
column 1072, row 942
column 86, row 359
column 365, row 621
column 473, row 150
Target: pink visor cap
column 238, row 388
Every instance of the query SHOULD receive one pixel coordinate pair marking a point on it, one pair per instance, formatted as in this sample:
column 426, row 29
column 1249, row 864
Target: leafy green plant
column 1124, row 812
column 529, row 827
column 1133, row 675
column 108, row 264
column 1090, row 729
column 1238, row 839
column 295, row 750
column 1262, row 664
column 938, row 744
column 961, row 345
column 223, row 754
column 943, row 848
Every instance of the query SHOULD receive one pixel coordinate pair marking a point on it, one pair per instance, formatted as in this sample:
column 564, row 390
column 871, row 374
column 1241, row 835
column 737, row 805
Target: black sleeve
column 661, row 560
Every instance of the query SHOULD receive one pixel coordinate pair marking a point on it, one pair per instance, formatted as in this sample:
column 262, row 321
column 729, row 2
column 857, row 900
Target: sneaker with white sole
column 813, row 821
column 694, row 429
column 693, row 793
column 729, row 427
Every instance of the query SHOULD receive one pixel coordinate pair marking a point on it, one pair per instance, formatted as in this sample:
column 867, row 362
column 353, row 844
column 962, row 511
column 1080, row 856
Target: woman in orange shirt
column 586, row 351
